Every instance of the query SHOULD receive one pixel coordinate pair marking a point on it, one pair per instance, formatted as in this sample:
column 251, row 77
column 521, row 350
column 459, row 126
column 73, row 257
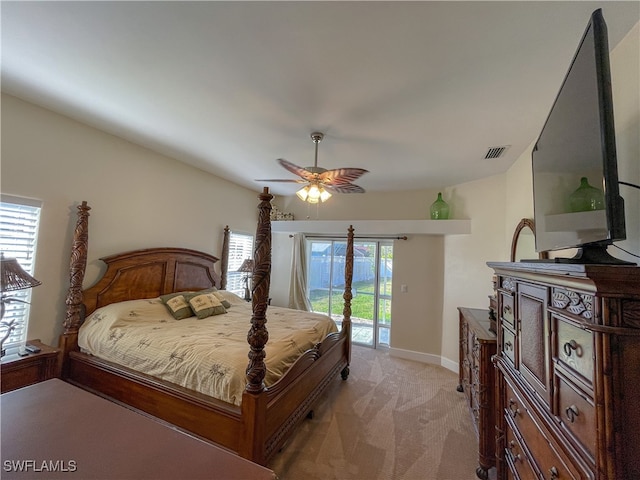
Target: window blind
column 19, row 221
column 240, row 248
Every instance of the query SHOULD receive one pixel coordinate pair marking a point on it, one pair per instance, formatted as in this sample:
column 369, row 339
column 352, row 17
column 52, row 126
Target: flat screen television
column 575, row 175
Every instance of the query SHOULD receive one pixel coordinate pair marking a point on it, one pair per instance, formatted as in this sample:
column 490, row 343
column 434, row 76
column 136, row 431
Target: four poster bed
column 254, row 423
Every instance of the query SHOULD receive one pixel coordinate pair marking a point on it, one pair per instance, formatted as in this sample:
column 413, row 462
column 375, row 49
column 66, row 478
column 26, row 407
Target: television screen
column 575, row 180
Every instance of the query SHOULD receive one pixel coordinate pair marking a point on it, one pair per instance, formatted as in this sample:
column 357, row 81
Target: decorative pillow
column 214, row 291
column 178, row 304
column 206, row 305
column 224, row 301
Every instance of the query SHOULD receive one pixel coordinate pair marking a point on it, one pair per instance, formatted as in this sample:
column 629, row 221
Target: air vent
column 496, row 152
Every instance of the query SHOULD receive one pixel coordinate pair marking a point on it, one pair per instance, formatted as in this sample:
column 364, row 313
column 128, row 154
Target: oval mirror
column 523, row 244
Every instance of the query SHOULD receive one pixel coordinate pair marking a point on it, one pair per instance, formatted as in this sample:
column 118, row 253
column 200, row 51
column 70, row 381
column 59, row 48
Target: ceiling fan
column 320, row 181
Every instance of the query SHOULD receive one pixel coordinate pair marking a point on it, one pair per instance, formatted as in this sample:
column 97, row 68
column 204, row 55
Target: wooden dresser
column 568, row 371
column 477, row 380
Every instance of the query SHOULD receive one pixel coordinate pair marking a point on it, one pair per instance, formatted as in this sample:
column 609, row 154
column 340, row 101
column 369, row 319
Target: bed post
column 74, row 301
column 258, row 335
column 224, row 260
column 254, row 400
column 348, row 295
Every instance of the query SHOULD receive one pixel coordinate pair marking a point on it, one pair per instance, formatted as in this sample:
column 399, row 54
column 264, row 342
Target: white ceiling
column 415, row 92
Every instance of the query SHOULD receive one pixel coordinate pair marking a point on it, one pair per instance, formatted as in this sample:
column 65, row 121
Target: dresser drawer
column 516, row 458
column 554, row 464
column 577, row 414
column 507, row 313
column 517, row 413
column 574, row 348
column 547, row 457
column 509, row 345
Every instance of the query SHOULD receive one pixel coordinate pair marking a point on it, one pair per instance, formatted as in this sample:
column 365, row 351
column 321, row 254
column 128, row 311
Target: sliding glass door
column 371, row 286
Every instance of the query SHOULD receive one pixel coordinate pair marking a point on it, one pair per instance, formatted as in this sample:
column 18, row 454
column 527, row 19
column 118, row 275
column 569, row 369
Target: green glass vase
column 586, row 198
column 439, row 209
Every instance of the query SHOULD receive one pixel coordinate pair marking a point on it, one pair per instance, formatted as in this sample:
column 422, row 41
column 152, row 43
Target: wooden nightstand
column 17, row 371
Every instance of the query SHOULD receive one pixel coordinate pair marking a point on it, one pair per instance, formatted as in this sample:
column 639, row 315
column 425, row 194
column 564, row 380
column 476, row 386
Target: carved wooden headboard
column 132, row 275
column 150, row 273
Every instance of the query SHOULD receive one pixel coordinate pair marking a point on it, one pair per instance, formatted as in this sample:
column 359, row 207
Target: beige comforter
column 207, row 355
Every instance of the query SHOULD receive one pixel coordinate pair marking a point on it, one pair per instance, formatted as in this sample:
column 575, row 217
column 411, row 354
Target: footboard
column 272, row 413
column 198, row 414
column 291, row 399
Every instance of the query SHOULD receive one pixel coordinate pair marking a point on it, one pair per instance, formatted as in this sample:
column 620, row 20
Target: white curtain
column 298, row 295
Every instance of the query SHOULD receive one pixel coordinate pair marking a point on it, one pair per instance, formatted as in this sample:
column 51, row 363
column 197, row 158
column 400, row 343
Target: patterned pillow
column 178, row 304
column 214, row 291
column 224, row 301
column 206, row 305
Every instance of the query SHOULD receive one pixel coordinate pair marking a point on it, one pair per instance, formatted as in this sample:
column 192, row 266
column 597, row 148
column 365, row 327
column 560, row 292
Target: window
column 371, row 286
column 19, row 219
column 240, row 248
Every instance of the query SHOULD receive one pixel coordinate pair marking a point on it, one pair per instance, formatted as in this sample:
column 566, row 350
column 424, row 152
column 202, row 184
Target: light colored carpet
column 392, row 419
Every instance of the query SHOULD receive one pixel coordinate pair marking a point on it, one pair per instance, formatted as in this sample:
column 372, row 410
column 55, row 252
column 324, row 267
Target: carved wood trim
column 569, row 301
column 258, row 334
column 77, row 269
column 74, row 314
column 224, row 260
column 348, row 294
column 508, row 283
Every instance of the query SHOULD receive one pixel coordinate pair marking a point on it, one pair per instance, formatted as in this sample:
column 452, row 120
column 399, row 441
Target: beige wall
column 467, row 279
column 139, row 199
column 407, row 205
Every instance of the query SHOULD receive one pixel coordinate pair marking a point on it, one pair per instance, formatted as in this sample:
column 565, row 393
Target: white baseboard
column 425, row 358
column 450, row 365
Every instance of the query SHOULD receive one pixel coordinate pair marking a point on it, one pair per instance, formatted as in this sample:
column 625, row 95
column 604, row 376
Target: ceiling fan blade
column 291, row 180
column 295, row 169
column 341, row 176
column 344, row 188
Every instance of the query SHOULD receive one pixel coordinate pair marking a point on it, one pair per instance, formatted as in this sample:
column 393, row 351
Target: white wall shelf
column 375, row 227
column 577, row 221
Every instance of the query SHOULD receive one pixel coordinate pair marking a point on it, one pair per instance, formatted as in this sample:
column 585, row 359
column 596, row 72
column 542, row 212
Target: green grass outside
column 361, row 304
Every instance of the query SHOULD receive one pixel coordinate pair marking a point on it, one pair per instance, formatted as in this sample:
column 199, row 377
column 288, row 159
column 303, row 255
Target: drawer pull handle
column 508, row 346
column 572, row 412
column 513, row 408
column 514, row 456
column 553, row 473
column 569, row 346
column 506, row 310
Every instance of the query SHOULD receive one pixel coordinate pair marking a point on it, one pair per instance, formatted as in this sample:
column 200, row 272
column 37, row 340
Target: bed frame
column 261, row 425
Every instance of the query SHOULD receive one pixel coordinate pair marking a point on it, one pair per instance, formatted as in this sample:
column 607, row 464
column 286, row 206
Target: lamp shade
column 13, row 277
column 313, row 193
column 247, row 266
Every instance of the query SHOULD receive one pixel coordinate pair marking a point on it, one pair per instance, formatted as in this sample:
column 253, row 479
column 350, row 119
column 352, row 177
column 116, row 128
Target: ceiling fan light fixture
column 324, row 195
column 313, row 193
column 303, row 193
